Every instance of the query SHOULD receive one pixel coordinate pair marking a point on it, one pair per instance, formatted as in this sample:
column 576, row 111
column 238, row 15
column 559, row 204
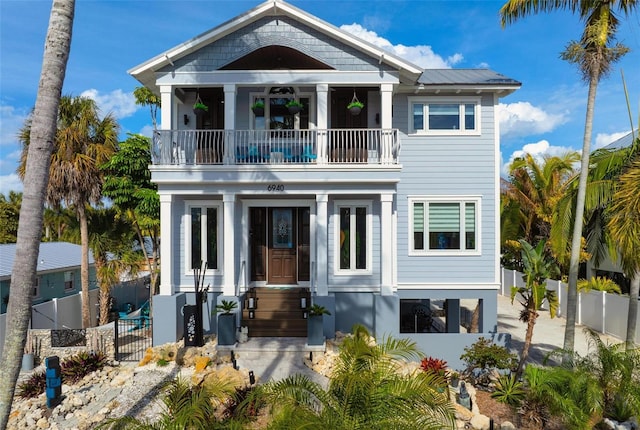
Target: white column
column 166, row 113
column 322, row 113
column 166, row 246
column 228, row 255
column 386, row 244
column 229, row 122
column 322, row 248
column 386, row 102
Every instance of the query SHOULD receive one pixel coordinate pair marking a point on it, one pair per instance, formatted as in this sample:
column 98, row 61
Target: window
column 68, row 281
column 276, row 115
column 35, row 291
column 203, row 236
column 353, row 237
column 440, row 225
column 444, row 116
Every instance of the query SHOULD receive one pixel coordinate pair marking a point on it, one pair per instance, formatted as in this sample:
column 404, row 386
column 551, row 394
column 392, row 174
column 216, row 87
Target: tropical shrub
column 80, row 365
column 509, row 390
column 33, row 386
column 598, row 283
column 483, row 357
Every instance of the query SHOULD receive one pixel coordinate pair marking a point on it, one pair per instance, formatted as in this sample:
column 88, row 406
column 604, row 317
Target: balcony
column 276, row 147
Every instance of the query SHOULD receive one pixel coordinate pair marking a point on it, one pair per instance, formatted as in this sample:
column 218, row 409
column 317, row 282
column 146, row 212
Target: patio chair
column 307, row 154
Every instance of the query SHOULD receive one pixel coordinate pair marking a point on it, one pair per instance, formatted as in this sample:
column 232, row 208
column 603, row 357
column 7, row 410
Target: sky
column 545, row 116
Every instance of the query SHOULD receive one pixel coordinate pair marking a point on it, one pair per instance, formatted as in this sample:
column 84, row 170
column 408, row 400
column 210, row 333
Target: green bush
column 509, row 390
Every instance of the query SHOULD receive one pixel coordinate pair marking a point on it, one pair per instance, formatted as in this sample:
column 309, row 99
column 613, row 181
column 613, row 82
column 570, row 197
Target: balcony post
column 322, row 111
column 229, row 122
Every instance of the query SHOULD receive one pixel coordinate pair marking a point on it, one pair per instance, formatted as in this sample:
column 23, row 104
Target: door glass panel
column 282, row 228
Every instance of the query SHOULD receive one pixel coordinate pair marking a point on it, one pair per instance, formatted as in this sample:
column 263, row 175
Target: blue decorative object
column 54, row 381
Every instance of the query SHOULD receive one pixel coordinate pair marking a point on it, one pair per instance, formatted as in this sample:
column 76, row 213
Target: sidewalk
column 548, row 333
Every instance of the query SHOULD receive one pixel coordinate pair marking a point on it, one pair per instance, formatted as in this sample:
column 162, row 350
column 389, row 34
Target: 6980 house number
column 275, row 187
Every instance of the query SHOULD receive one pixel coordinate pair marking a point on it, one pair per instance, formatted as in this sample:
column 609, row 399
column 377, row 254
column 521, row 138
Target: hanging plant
column 258, row 108
column 355, row 107
column 294, row 106
column 200, row 108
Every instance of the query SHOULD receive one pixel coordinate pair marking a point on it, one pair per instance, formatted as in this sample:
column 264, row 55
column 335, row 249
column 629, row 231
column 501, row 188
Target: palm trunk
column 36, row 178
column 531, row 322
column 105, row 305
column 632, row 318
column 576, row 239
column 84, row 264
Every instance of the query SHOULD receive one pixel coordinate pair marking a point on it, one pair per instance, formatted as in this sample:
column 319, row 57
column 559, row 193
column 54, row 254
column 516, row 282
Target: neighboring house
column 608, row 268
column 57, row 275
column 388, row 217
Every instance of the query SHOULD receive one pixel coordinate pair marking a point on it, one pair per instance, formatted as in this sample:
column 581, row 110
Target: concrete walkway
column 548, row 333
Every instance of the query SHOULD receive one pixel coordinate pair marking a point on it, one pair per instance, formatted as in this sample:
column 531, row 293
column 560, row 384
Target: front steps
column 277, row 312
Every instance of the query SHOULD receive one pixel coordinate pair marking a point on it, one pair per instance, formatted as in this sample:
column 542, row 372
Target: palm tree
column 36, row 177
column 365, row 391
column 594, row 54
column 624, row 227
column 83, row 143
column 538, row 267
column 529, row 197
column 112, row 244
column 9, row 213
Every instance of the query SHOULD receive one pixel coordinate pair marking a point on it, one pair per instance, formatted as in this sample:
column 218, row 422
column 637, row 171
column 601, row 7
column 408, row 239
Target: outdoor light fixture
column 186, row 119
column 252, row 314
column 252, row 377
column 304, row 314
column 303, row 302
column 251, row 303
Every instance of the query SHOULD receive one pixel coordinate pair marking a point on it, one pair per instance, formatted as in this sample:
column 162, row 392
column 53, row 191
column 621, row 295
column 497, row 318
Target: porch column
column 229, row 254
column 322, row 113
column 166, row 113
column 229, row 122
column 166, row 245
column 386, row 244
column 386, row 102
column 322, row 248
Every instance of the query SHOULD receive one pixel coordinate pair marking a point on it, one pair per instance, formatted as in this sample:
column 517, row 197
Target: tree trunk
column 84, row 264
column 105, row 305
column 475, row 319
column 531, row 321
column 36, row 178
column 632, row 318
column 576, row 239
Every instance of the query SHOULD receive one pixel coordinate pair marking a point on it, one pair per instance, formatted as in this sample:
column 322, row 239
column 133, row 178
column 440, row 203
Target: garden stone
column 480, row 422
column 507, row 425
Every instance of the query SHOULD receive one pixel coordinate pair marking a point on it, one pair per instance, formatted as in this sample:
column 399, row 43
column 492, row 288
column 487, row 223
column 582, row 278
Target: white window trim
column 444, row 199
column 202, row 204
column 336, row 229
column 461, row 101
column 70, row 275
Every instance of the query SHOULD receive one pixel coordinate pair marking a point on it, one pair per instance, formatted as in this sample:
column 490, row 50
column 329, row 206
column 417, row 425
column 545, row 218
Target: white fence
column 56, row 314
column 603, row 312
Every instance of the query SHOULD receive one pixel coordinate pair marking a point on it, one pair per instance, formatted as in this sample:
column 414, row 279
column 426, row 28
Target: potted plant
column 28, row 355
column 226, row 322
column 294, row 106
column 355, row 107
column 258, row 108
column 315, row 326
column 200, row 108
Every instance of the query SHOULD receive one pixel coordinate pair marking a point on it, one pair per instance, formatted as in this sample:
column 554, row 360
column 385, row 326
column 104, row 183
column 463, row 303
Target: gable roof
column 53, row 256
column 145, row 72
column 623, row 142
column 435, row 78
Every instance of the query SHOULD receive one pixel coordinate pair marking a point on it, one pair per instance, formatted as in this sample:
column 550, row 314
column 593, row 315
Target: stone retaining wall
column 99, row 339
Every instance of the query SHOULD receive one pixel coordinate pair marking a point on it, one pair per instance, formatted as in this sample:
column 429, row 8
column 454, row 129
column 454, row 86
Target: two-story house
column 388, row 216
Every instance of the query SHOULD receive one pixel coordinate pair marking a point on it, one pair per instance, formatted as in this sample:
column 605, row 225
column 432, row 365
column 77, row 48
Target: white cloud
column 538, row 150
column 420, row 55
column 603, row 139
column 524, row 119
column 10, row 182
column 119, row 103
column 147, row 130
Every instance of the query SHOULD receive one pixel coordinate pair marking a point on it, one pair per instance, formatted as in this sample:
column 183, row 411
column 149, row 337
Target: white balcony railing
column 237, row 147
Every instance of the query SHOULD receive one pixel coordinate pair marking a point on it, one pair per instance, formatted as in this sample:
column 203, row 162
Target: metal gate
column 133, row 336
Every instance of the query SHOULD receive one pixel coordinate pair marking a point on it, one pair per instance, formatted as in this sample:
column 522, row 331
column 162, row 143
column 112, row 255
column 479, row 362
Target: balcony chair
column 307, row 154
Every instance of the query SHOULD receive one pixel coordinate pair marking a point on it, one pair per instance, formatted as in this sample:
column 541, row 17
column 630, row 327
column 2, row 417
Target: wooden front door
column 282, row 251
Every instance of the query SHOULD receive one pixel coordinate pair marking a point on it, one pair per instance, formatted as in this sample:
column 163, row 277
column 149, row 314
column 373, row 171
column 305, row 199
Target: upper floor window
column 203, row 236
column 457, row 116
column 276, row 115
column 69, row 278
column 443, row 225
column 353, row 236
column 35, row 291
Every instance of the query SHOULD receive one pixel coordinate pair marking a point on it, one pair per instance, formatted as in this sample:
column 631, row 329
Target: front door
column 282, row 241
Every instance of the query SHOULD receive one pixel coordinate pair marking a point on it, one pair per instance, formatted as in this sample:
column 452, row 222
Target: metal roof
column 53, row 256
column 623, row 142
column 465, row 77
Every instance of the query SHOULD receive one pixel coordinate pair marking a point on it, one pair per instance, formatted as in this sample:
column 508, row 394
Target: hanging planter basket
column 294, row 107
column 200, row 108
column 355, row 107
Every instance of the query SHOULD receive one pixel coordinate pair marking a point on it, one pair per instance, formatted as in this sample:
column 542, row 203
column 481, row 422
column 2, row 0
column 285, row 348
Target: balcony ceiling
column 276, row 57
